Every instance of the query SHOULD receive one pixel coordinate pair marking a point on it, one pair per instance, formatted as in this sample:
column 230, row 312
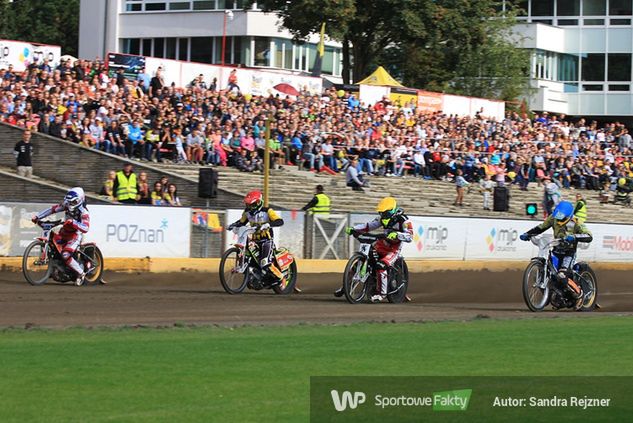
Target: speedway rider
column 397, row 228
column 571, row 231
column 262, row 218
column 77, row 223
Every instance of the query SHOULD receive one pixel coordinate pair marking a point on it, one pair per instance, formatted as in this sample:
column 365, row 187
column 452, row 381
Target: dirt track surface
column 198, row 298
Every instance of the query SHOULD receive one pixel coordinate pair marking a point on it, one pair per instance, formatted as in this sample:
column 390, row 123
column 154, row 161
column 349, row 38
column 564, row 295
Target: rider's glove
column 264, row 227
column 392, row 236
column 349, row 230
column 35, row 219
column 68, row 224
column 524, row 237
column 570, row 238
column 231, row 227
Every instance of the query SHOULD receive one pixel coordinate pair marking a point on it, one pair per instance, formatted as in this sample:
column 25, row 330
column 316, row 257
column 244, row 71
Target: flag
column 318, row 60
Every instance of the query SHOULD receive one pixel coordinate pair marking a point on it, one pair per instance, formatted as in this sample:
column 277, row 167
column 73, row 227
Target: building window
column 328, row 61
column 262, row 51
column 183, row 49
column 147, row 47
column 204, row 5
column 542, row 8
column 153, row 7
column 567, row 67
column 593, row 67
column 594, row 7
column 159, row 47
column 180, row 5
column 202, row 49
column 133, row 6
column 568, row 8
column 619, row 7
column 619, row 67
column 288, row 47
column 131, row 46
column 593, row 22
column 619, row 87
column 170, row 51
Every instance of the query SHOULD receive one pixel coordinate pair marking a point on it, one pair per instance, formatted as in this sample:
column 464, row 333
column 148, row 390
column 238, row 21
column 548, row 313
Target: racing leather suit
column 388, row 250
column 263, row 238
column 77, row 223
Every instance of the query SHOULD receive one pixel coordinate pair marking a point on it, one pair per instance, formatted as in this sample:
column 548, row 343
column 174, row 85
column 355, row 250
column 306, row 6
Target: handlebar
column 368, row 238
column 48, row 224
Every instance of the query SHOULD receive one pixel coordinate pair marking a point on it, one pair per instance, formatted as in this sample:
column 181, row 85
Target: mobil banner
column 21, row 54
column 612, row 242
column 437, row 238
column 490, row 239
column 137, row 231
column 430, row 102
column 290, row 235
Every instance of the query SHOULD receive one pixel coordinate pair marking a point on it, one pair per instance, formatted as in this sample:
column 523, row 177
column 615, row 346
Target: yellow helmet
column 622, row 182
column 387, row 208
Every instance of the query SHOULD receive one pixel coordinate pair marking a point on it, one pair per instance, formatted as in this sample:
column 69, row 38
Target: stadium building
column 195, row 30
column 581, row 55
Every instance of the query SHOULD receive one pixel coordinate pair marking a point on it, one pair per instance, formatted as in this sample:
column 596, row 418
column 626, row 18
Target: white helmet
column 551, row 188
column 74, row 198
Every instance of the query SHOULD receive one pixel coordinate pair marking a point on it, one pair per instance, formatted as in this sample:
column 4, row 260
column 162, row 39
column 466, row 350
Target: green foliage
column 257, row 374
column 457, row 46
column 48, row 22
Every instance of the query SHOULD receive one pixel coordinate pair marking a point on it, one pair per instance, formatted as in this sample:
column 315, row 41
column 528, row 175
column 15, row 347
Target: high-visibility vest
column 580, row 211
column 127, row 186
column 322, row 206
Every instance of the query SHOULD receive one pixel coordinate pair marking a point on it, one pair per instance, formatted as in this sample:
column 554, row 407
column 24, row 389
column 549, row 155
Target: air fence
column 170, row 232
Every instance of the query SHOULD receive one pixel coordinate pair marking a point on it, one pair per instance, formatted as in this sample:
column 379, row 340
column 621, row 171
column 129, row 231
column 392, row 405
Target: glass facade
column 575, row 12
column 266, row 52
column 182, row 5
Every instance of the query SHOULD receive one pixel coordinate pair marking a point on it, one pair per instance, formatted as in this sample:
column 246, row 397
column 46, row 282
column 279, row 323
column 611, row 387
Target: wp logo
column 347, row 399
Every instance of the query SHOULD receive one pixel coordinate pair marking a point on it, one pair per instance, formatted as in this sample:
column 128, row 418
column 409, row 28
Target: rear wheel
column 36, row 263
column 398, row 282
column 291, row 280
column 233, row 281
column 589, row 284
column 356, row 279
column 535, row 291
column 95, row 258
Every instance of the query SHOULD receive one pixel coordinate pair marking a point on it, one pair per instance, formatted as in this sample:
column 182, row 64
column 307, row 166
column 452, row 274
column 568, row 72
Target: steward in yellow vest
column 320, row 203
column 125, row 185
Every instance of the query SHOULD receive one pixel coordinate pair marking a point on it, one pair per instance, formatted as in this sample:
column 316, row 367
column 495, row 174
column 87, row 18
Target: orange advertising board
column 430, row 102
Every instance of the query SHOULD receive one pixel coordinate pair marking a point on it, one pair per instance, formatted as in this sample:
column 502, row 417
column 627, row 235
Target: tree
column 458, row 46
column 47, row 22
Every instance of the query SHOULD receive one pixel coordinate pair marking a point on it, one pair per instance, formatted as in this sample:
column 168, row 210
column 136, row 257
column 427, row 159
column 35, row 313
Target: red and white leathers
column 77, row 223
column 388, row 250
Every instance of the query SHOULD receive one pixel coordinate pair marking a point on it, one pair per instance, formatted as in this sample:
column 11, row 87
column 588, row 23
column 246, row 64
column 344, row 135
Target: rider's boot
column 81, row 277
column 382, row 287
column 377, row 298
column 339, row 292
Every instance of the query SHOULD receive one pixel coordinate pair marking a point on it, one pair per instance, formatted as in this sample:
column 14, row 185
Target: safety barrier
column 135, row 231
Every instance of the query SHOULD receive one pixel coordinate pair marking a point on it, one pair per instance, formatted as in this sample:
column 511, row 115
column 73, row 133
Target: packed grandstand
column 207, row 124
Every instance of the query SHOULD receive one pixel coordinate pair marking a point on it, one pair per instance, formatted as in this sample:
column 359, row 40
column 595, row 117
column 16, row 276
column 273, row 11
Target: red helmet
column 254, row 201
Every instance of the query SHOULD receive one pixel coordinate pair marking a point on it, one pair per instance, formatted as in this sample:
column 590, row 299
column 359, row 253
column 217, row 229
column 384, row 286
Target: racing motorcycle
column 359, row 279
column 239, row 267
column 541, row 286
column 43, row 260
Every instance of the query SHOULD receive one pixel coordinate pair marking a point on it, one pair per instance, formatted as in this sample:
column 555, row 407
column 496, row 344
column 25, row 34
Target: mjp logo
column 431, row 238
column 347, row 399
column 502, row 240
column 617, row 243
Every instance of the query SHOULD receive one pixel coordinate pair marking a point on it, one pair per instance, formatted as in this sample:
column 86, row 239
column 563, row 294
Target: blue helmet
column 74, row 198
column 563, row 212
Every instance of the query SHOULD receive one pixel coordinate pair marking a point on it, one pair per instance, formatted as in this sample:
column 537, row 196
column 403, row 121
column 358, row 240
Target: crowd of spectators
column 214, row 124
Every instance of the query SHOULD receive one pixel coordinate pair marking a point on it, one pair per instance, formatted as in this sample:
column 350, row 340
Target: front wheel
column 91, row 254
column 589, row 284
column 535, row 287
column 356, row 278
column 36, row 263
column 232, row 273
column 398, row 282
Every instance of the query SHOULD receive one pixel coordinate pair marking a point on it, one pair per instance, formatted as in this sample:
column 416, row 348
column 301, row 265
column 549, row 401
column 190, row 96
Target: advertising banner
column 290, row 235
column 131, row 65
column 134, row 231
column 21, row 54
column 5, row 230
column 370, row 94
column 489, row 239
column 430, row 102
column 612, row 242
